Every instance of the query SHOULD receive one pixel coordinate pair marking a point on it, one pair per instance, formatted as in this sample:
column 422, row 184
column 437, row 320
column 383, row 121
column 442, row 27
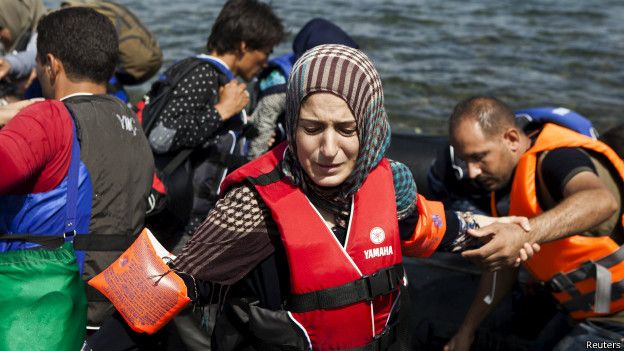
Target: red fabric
column 140, row 106
column 158, row 185
column 35, row 149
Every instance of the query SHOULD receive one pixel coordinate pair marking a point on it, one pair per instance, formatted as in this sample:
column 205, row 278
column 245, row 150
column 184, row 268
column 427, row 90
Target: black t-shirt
column 557, row 168
column 561, row 165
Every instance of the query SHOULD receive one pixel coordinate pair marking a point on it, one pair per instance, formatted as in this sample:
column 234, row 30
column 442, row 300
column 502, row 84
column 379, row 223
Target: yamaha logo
column 377, row 235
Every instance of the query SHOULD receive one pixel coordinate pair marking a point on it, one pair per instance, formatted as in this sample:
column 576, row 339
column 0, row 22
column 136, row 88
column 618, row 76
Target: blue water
column 433, row 53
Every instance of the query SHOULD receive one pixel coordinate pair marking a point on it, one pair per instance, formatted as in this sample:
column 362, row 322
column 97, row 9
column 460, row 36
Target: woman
column 304, row 250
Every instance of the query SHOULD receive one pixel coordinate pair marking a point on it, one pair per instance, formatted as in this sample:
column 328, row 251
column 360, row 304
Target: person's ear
column 242, row 48
column 511, row 138
column 53, row 68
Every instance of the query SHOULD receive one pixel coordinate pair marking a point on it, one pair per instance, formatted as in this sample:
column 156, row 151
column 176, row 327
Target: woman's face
column 327, row 139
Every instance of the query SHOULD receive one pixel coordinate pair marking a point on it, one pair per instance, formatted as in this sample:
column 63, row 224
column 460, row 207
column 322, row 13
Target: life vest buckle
column 69, row 236
column 377, row 284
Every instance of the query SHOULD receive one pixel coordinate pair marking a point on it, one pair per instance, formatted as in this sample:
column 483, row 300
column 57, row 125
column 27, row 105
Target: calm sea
column 432, row 53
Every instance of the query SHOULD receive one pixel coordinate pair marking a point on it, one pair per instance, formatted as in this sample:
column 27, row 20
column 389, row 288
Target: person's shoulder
column 48, row 105
column 46, row 112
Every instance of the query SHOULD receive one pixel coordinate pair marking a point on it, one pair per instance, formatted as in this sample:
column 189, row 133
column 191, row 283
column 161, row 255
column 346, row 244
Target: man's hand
column 5, row 67
column 233, row 97
column 508, row 245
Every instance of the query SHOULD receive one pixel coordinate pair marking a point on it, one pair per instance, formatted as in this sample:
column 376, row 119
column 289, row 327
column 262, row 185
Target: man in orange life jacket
column 569, row 185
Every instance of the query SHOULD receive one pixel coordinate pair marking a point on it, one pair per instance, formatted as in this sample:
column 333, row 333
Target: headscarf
column 20, row 17
column 320, row 31
column 349, row 74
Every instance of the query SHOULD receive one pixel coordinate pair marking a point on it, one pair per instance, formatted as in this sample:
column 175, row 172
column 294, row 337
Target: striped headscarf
column 349, row 74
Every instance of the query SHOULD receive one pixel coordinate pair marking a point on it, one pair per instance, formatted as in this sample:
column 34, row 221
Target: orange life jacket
column 586, row 274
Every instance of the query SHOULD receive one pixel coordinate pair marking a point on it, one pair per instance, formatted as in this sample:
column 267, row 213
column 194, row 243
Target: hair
column 83, row 40
column 493, row 115
column 248, row 21
column 614, row 137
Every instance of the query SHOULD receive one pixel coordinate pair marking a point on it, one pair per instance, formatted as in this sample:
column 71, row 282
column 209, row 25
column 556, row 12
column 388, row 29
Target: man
column 569, row 185
column 203, row 115
column 78, row 164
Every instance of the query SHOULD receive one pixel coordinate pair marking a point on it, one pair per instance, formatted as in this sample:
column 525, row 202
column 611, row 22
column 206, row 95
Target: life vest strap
column 586, row 270
column 584, row 302
column 365, row 288
column 268, row 178
column 87, row 242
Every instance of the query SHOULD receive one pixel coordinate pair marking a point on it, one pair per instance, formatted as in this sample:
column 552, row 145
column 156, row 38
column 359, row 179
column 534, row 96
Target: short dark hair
column 248, row 21
column 82, row 39
column 492, row 114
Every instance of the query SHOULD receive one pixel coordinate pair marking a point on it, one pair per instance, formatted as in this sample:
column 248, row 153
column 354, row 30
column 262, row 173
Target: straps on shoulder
column 156, row 96
column 267, row 178
column 366, row 288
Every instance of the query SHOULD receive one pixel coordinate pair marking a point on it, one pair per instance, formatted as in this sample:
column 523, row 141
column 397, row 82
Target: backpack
column 140, row 55
column 187, row 181
column 152, row 106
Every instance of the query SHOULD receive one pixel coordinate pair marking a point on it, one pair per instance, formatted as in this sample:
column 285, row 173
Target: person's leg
column 558, row 327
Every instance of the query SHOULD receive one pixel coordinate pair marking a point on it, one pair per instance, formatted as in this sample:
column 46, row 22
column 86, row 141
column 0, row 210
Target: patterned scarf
column 349, row 74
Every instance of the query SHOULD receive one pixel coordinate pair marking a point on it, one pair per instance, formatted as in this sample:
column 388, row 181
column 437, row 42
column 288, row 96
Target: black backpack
column 169, row 170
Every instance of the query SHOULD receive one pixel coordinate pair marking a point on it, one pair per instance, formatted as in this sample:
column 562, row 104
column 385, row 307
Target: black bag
column 161, row 90
column 174, row 170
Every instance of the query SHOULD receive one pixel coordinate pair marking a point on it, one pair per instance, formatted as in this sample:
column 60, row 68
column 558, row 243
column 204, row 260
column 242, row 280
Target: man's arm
column 479, row 309
column 35, row 149
column 586, row 203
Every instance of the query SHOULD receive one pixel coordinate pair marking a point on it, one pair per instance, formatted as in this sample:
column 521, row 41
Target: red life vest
column 570, row 264
column 320, row 267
